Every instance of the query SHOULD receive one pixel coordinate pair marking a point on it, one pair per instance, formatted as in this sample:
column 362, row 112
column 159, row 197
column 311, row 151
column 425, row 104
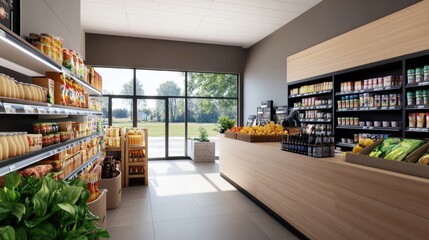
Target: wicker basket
column 232, row 135
column 259, row 138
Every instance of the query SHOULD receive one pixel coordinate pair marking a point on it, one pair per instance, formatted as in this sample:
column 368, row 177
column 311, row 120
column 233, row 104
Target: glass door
column 151, row 114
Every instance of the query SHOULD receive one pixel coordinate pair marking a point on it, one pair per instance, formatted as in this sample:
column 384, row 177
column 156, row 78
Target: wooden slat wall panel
column 329, row 198
column 401, row 33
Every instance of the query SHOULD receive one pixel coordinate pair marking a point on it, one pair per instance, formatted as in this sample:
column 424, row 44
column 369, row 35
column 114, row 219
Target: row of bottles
column 310, row 144
column 136, row 156
column 137, row 170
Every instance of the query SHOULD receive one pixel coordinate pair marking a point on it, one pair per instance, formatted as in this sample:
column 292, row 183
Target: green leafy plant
column 203, row 136
column 224, row 123
column 46, row 209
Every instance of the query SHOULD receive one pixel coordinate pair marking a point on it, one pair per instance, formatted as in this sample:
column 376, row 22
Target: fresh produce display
column 363, row 143
column 235, row 129
column 37, row 208
column 424, row 160
column 396, row 149
column 269, row 129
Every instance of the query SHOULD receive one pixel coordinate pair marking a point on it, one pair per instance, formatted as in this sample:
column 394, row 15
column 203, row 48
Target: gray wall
column 265, row 69
column 56, row 17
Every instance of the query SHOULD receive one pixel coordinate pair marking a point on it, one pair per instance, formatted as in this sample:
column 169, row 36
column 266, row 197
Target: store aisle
column 190, row 202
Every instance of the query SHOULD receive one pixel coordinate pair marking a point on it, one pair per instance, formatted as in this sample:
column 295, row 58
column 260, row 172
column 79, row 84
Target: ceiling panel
column 227, row 22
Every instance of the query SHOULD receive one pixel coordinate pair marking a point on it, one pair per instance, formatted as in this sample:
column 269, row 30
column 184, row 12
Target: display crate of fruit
column 259, row 138
column 232, row 135
column 412, row 164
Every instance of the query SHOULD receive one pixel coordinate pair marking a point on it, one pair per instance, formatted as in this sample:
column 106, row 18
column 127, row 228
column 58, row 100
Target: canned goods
column 411, row 98
column 411, row 76
column 419, row 75
column 426, row 73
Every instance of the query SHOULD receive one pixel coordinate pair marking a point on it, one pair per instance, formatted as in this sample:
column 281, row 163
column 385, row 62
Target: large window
column 172, row 105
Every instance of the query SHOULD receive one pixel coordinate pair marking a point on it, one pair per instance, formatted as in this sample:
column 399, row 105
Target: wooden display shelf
column 144, row 163
column 113, row 148
column 122, row 150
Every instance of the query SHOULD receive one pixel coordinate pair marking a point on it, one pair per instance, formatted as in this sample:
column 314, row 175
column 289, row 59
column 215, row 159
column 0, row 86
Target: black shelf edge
column 421, row 130
column 390, row 88
column 390, row 129
column 316, row 120
column 350, row 145
column 417, row 107
column 313, row 107
column 83, row 167
column 310, row 94
column 415, row 85
column 17, row 163
column 367, row 109
column 18, row 106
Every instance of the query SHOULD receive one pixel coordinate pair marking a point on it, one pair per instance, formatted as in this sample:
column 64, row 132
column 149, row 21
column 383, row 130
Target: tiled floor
column 189, row 202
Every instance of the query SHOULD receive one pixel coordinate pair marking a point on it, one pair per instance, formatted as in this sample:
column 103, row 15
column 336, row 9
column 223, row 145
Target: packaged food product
column 384, row 100
column 419, row 75
column 377, row 100
column 393, row 99
column 411, row 77
column 377, row 124
column 394, row 123
column 426, row 73
column 386, row 123
column 369, row 123
column 412, row 120
column 410, row 98
column 34, row 141
column 420, row 120
column 427, row 120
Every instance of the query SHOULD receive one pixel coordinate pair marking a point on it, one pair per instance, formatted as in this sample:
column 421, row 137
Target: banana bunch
column 269, row 129
column 424, row 160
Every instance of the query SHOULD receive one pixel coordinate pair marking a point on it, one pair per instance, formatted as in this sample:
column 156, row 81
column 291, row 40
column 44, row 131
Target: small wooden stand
column 140, row 164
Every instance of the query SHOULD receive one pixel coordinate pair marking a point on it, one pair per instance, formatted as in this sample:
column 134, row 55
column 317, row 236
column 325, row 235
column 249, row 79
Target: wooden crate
column 259, row 138
column 408, row 166
column 232, row 135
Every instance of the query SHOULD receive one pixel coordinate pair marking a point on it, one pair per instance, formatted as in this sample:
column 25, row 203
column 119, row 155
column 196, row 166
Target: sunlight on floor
column 160, row 167
column 181, row 185
column 186, row 166
column 219, row 182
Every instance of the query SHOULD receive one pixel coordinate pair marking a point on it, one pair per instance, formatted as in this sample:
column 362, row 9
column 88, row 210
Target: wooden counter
column 329, row 198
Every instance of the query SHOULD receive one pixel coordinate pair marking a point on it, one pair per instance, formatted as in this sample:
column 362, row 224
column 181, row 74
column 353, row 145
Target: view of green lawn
column 156, row 129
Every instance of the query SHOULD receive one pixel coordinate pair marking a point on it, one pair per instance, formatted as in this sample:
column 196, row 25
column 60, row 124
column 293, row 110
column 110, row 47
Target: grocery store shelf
column 417, row 130
column 113, row 148
column 141, row 147
column 390, row 129
column 136, row 164
column 135, row 175
column 18, row 106
column 361, row 109
column 350, row 145
column 315, row 120
column 313, row 107
column 310, row 94
column 417, row 107
column 383, row 89
column 84, row 166
column 13, row 164
column 20, row 56
column 415, row 85
column 88, row 88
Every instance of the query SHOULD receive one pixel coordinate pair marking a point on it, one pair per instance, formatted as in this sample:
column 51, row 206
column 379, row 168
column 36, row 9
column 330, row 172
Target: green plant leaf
column 43, row 193
column 21, row 234
column 45, row 231
column 18, row 209
column 71, row 194
column 3, row 197
column 76, row 236
column 7, row 233
column 78, row 183
column 36, row 221
column 13, row 180
column 11, row 195
column 103, row 233
column 68, row 208
column 40, row 206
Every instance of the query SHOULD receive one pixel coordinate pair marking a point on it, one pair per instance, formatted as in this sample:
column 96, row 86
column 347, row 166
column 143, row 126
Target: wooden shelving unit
column 137, row 143
column 120, row 149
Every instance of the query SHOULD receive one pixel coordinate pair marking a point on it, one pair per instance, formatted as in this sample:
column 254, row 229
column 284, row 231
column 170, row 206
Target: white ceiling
column 227, row 22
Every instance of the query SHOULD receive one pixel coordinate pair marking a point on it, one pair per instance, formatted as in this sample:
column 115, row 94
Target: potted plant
column 36, row 208
column 201, row 149
column 224, row 123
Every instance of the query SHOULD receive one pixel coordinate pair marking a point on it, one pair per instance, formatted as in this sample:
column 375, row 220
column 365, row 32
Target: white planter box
column 201, row 152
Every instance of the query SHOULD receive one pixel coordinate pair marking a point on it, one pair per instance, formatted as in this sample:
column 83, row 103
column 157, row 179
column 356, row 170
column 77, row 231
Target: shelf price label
column 423, row 83
column 383, row 108
column 421, row 106
column 9, row 109
column 29, row 109
column 12, row 167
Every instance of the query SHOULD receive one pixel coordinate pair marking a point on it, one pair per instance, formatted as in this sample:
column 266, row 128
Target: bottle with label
column 318, row 147
column 332, row 146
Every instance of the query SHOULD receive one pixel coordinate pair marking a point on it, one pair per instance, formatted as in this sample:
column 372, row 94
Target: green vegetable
column 385, row 148
column 403, row 149
column 46, row 209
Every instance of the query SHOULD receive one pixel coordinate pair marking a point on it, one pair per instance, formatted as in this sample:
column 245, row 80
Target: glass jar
column 8, row 87
column 3, row 85
column 4, row 146
column 24, row 140
column 33, row 93
column 17, row 142
column 15, row 93
column 27, row 92
column 12, row 145
column 21, row 91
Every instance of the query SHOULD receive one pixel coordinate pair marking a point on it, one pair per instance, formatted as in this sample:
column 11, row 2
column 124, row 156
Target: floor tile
column 269, row 226
column 231, row 227
column 132, row 232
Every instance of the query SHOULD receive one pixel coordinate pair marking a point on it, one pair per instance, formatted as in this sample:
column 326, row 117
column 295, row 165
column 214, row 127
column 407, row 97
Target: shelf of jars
column 309, row 120
column 19, row 106
column 369, row 90
column 16, row 163
column 360, row 109
column 19, row 55
column 324, row 92
column 372, row 128
column 74, row 174
column 313, row 107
